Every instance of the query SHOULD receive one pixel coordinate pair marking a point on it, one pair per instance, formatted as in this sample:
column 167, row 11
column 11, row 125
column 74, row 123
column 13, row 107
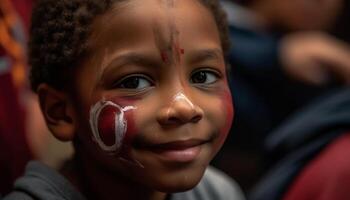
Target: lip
column 178, row 151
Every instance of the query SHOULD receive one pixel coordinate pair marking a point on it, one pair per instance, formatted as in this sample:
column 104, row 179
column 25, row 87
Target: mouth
column 178, row 151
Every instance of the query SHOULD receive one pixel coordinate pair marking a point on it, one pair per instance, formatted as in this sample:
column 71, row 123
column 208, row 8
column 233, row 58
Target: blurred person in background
column 313, row 147
column 284, row 55
column 22, row 131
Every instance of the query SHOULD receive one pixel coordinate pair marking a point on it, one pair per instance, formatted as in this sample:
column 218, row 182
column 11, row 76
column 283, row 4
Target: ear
column 58, row 112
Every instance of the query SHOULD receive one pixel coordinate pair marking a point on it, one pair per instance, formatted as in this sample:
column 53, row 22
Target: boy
column 140, row 88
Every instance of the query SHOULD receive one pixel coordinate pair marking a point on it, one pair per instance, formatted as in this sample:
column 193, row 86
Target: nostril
column 177, row 120
column 173, row 120
column 196, row 118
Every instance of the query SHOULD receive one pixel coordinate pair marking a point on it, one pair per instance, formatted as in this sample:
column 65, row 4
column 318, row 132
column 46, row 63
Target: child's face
column 155, row 101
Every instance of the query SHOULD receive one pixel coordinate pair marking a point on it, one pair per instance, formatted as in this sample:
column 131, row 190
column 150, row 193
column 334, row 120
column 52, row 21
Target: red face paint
column 131, row 129
column 165, row 57
column 130, row 134
column 113, row 126
column 228, row 108
column 107, row 124
column 177, row 50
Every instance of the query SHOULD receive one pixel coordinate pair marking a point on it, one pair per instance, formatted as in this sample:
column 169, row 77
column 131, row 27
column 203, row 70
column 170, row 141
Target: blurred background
column 286, row 57
column 23, row 133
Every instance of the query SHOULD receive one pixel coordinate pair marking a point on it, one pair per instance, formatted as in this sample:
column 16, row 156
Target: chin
column 174, row 188
column 179, row 182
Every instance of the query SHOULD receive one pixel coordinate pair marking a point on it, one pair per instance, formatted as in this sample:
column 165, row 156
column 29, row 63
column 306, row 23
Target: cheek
column 227, row 108
column 130, row 133
column 108, row 124
column 112, row 126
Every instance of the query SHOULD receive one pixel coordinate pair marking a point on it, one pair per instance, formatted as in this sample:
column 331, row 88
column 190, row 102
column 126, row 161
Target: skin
column 174, row 106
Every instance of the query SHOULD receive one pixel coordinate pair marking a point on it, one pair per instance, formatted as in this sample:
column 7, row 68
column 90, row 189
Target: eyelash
column 215, row 73
column 122, row 84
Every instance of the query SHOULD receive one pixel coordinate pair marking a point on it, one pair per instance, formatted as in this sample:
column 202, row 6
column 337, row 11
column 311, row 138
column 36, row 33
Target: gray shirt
column 42, row 183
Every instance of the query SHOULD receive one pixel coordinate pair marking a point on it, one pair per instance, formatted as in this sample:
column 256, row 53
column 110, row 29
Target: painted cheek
column 227, row 106
column 130, row 134
column 129, row 118
column 112, row 126
column 131, row 130
column 107, row 124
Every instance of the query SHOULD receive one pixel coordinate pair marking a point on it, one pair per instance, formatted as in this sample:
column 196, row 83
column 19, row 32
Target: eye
column 204, row 77
column 137, row 82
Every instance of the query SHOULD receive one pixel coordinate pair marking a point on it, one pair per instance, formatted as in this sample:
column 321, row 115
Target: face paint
column 170, row 3
column 176, row 50
column 182, row 51
column 227, row 106
column 181, row 97
column 171, row 54
column 165, row 57
column 168, row 40
column 109, row 125
column 113, row 129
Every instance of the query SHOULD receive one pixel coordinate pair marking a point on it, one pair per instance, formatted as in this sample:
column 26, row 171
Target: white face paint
column 181, row 97
column 120, row 125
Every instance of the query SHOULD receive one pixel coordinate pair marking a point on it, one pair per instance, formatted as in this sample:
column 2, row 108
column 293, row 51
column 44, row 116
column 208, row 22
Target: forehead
column 129, row 22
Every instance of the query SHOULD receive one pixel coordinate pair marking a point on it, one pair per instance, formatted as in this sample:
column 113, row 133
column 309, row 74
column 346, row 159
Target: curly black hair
column 60, row 30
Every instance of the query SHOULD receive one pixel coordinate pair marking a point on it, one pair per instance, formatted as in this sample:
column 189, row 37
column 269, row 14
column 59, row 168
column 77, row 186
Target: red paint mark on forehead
column 174, row 53
column 177, row 51
column 165, row 57
column 168, row 43
column 175, row 40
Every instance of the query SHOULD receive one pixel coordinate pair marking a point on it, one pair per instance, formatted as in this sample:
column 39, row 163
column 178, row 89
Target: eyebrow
column 151, row 61
column 128, row 59
column 206, row 54
column 132, row 58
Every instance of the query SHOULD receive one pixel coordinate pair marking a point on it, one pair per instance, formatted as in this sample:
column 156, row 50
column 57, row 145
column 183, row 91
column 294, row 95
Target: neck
column 96, row 182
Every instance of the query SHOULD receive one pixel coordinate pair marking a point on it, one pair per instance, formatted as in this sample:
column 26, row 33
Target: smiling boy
column 140, row 88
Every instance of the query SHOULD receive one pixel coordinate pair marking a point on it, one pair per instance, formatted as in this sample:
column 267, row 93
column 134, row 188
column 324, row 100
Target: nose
column 180, row 111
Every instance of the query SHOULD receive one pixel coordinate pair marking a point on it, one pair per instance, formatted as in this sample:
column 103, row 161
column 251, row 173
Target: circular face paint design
column 108, row 125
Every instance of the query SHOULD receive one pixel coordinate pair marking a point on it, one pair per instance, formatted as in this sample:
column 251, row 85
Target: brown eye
column 204, row 77
column 134, row 82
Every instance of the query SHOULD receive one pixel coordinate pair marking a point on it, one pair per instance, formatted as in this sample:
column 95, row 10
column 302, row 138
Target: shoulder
column 332, row 163
column 329, row 169
column 41, row 182
column 214, row 185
